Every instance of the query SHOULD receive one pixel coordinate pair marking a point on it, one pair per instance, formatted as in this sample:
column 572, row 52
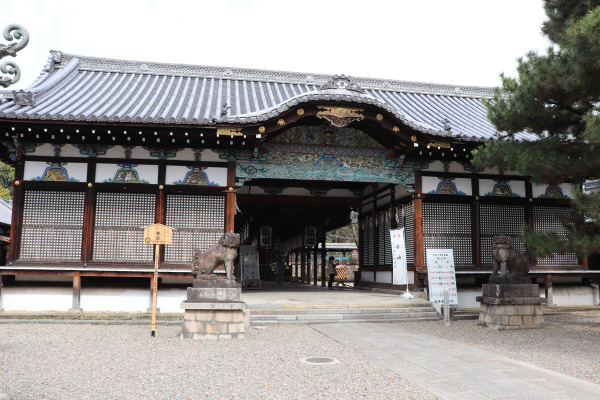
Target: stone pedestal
column 214, row 310
column 511, row 306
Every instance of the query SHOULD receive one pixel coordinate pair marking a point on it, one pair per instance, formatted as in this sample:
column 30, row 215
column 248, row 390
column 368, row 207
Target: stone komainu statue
column 221, row 253
column 513, row 265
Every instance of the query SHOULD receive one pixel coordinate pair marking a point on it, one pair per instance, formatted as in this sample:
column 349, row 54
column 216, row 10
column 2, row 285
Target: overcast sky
column 465, row 42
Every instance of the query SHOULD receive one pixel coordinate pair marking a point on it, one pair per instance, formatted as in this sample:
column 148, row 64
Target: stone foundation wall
column 511, row 316
column 214, row 324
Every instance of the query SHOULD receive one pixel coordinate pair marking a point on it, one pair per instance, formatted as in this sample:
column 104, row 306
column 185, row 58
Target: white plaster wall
column 119, row 152
column 45, row 150
column 205, row 155
column 34, row 169
column 384, row 277
column 574, row 295
column 176, row 172
column 366, row 276
column 487, row 186
column 145, row 172
column 19, row 298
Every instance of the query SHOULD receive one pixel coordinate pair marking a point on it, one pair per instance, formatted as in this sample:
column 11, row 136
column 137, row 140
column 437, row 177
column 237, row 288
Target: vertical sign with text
column 441, row 274
column 400, row 274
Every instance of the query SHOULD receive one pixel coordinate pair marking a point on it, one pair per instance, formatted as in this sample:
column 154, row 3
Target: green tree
column 7, row 175
column 556, row 97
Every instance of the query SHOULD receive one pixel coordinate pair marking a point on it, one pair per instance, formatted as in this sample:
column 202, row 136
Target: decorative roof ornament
column 342, row 82
column 447, row 127
column 12, row 31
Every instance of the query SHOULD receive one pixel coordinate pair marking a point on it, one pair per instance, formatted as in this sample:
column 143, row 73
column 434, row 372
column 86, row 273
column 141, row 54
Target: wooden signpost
column 156, row 234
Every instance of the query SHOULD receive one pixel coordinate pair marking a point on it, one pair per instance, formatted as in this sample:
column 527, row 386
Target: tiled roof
column 77, row 88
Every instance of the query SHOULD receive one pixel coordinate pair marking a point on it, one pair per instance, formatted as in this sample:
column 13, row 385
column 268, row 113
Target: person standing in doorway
column 280, row 268
column 331, row 272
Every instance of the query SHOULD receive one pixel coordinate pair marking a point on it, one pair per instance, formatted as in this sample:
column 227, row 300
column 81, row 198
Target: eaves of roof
column 76, row 88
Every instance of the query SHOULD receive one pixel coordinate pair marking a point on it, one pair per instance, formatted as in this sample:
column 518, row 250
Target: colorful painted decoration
column 55, row 173
column 553, row 192
column 446, row 186
column 126, row 174
column 502, row 189
column 195, row 176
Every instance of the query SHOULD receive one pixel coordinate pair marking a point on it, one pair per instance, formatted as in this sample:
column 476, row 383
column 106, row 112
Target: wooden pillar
column 303, row 263
column 323, row 256
column 529, row 215
column 76, row 305
column 230, row 198
column 89, row 212
column 16, row 224
column 161, row 218
column 475, row 224
column 418, row 228
column 316, row 262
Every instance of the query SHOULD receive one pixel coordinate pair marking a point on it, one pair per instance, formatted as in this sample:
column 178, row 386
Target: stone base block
column 214, row 320
column 214, row 295
column 514, row 306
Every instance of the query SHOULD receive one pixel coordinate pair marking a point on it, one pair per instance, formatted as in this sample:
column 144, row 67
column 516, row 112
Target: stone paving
column 452, row 370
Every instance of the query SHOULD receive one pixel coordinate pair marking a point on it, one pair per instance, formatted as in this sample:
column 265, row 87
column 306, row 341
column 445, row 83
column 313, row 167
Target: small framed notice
column 441, row 274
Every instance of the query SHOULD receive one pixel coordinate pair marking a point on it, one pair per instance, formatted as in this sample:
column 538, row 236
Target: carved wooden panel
column 52, row 226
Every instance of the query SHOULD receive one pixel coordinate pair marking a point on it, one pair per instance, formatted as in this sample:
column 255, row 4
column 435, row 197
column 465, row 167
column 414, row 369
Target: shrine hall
column 103, row 147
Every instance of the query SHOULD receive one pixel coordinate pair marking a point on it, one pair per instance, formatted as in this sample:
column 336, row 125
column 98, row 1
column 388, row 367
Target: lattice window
column 368, row 246
column 199, row 222
column 385, row 245
column 405, row 216
column 548, row 219
column 500, row 219
column 52, row 226
column 448, row 226
column 118, row 232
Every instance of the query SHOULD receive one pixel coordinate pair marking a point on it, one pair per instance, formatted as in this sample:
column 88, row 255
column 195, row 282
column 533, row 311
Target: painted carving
column 554, row 192
column 340, row 116
column 55, row 173
column 502, row 189
column 126, row 174
column 195, row 176
column 446, row 186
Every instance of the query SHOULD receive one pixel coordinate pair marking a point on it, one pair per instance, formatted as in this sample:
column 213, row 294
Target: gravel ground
column 86, row 361
column 569, row 344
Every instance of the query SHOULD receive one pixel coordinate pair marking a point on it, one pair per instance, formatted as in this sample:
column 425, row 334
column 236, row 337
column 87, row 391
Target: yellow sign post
column 156, row 234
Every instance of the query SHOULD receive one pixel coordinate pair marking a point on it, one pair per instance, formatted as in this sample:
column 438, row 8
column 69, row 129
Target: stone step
column 311, row 316
column 298, row 311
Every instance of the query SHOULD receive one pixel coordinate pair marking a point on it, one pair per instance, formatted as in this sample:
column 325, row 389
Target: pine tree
column 556, row 97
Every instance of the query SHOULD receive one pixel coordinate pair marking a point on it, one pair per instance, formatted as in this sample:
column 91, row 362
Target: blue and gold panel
column 197, row 176
column 502, row 188
column 127, row 173
column 55, row 172
column 562, row 191
column 447, row 185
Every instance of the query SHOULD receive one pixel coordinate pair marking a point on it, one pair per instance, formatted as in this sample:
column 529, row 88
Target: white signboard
column 399, row 257
column 249, row 263
column 441, row 274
